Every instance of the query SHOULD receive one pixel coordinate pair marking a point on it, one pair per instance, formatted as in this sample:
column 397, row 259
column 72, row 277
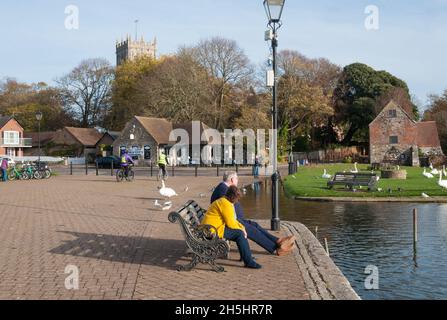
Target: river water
column 372, row 234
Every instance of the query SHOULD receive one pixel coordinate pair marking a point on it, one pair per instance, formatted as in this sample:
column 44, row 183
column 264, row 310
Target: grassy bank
column 307, row 182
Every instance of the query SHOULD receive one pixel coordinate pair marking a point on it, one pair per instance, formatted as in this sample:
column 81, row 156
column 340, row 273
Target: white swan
column 326, row 175
column 355, row 168
column 442, row 183
column 424, row 195
column 166, row 206
column 427, row 174
column 434, row 171
column 167, row 192
column 444, row 172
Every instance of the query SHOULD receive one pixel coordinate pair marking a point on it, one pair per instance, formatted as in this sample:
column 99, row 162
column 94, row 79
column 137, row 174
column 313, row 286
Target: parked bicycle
column 44, row 170
column 121, row 174
column 30, row 172
column 15, row 174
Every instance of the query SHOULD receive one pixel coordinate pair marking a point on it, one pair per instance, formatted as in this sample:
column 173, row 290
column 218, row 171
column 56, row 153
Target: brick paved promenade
column 126, row 249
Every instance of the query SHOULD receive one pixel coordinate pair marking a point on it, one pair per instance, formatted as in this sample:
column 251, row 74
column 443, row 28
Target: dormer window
column 392, row 113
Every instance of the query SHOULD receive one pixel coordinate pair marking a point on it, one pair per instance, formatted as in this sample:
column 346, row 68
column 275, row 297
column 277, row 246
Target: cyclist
column 126, row 160
column 162, row 162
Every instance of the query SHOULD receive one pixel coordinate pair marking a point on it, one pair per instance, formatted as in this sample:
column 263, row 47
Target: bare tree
column 86, row 90
column 227, row 66
column 176, row 89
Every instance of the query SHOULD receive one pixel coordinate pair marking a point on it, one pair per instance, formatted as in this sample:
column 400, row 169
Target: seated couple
column 225, row 214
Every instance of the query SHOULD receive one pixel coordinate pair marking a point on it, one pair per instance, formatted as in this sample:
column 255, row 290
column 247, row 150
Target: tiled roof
column 86, row 136
column 4, row 121
column 45, row 137
column 158, row 128
column 427, row 134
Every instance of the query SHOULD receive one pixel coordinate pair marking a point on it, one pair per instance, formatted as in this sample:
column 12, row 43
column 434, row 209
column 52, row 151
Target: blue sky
column 411, row 42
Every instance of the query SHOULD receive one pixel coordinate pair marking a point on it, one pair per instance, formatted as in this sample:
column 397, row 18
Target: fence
column 152, row 171
column 331, row 155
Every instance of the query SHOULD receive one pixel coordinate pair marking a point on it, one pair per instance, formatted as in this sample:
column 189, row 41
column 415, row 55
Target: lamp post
column 39, row 118
column 274, row 9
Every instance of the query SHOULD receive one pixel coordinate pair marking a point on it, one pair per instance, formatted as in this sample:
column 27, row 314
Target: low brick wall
column 394, row 174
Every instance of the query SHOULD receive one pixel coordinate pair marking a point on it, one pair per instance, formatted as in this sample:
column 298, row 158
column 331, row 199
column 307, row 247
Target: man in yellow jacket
column 222, row 215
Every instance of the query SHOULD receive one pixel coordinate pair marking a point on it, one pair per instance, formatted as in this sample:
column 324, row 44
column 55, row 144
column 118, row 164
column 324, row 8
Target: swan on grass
column 434, row 171
column 427, row 174
column 326, row 175
column 355, row 168
column 442, row 183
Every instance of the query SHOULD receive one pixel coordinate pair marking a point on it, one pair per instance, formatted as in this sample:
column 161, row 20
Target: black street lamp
column 39, row 118
column 274, row 9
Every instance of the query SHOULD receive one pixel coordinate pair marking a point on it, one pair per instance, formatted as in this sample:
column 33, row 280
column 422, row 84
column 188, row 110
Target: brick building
column 395, row 137
column 12, row 142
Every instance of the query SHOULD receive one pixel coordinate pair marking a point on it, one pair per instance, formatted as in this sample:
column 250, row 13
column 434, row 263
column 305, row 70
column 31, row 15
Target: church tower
column 129, row 49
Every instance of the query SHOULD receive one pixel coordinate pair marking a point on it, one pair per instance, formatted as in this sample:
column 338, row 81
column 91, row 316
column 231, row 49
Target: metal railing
column 16, row 143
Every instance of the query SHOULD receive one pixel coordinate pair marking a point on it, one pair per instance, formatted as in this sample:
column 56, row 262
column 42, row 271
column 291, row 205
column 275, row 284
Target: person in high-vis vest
column 162, row 162
column 126, row 160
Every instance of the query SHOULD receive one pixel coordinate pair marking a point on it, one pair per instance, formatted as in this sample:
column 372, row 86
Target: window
column 394, row 140
column 392, row 113
column 11, row 137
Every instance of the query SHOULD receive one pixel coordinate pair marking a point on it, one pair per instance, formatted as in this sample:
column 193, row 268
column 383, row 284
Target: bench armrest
column 206, row 232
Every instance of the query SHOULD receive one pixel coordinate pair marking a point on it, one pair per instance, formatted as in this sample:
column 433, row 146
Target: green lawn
column 309, row 183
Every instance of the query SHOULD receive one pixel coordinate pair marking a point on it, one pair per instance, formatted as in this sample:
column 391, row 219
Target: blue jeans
column 242, row 244
column 4, row 174
column 259, row 235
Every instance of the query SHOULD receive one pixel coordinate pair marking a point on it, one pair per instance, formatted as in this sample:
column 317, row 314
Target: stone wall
column 141, row 138
column 385, row 126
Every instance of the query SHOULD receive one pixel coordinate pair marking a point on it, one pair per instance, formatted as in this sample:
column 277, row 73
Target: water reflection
column 379, row 234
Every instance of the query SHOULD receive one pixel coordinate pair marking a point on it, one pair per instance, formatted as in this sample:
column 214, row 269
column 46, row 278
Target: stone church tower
column 130, row 49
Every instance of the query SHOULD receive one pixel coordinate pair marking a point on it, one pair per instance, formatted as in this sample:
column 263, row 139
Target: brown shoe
column 287, row 242
column 280, row 241
column 284, row 250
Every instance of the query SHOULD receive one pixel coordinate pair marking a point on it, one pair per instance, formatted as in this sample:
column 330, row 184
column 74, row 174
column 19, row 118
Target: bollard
column 111, row 169
column 151, row 170
column 197, row 166
column 217, row 170
column 71, row 168
column 96, row 164
column 237, row 168
column 86, row 167
column 173, row 171
column 415, row 228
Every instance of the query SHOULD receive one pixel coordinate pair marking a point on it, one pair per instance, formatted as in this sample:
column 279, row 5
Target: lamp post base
column 276, row 222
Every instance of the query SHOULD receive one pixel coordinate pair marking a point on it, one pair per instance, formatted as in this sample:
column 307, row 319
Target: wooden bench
column 202, row 240
column 351, row 180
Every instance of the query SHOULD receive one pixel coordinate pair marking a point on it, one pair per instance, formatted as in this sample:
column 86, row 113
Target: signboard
column 135, row 151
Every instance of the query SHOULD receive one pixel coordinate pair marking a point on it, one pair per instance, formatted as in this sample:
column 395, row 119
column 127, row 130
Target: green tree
column 356, row 96
column 125, row 89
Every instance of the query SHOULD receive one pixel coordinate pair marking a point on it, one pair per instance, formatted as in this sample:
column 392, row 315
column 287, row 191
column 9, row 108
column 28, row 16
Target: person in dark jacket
column 255, row 232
